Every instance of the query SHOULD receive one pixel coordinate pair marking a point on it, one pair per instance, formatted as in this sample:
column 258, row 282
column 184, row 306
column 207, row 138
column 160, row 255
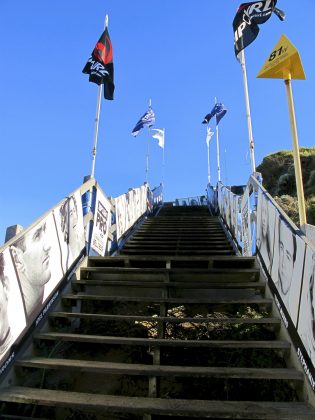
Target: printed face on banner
column 266, row 217
column 36, row 256
column 287, row 266
column 306, row 326
column 12, row 317
column 70, row 229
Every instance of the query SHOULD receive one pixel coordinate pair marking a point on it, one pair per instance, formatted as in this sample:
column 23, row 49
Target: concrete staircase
column 175, row 326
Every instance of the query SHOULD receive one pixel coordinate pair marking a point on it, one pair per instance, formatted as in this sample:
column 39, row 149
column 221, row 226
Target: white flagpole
column 147, row 156
column 208, row 146
column 248, row 117
column 163, row 159
column 218, row 146
column 218, row 153
column 97, row 118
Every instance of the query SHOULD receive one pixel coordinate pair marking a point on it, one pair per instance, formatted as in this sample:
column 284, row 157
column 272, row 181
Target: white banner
column 287, row 266
column 69, row 222
column 246, row 236
column 266, row 219
column 102, row 220
column 33, row 266
column 306, row 325
column 129, row 207
column 12, row 315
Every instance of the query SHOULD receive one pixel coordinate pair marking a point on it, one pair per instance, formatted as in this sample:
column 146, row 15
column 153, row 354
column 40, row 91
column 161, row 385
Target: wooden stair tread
column 267, row 344
column 170, row 319
column 239, row 301
column 140, row 405
column 162, row 370
column 171, row 284
column 168, row 270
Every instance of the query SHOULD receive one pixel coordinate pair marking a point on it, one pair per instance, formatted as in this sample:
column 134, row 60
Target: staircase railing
column 260, row 227
column 38, row 262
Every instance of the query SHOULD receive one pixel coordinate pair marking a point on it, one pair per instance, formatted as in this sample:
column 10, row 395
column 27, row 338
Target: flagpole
column 296, row 153
column 163, row 159
column 208, row 146
column 148, row 144
column 218, row 146
column 97, row 118
column 218, row 153
column 147, row 156
column 248, row 116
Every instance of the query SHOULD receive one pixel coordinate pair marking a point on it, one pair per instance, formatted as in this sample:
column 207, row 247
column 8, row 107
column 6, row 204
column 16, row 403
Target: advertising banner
column 287, row 266
column 69, row 223
column 306, row 323
column 266, row 219
column 102, row 220
column 246, row 236
column 129, row 207
column 12, row 313
column 31, row 269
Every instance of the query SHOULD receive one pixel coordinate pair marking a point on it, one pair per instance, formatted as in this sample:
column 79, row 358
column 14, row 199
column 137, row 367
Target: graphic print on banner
column 102, row 219
column 245, row 211
column 37, row 260
column 266, row 219
column 306, row 324
column 70, row 229
column 129, row 208
column 287, row 266
column 12, row 316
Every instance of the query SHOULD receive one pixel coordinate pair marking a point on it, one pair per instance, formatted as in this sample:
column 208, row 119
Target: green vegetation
column 277, row 170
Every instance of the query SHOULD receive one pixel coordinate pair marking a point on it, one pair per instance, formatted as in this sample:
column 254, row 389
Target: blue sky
column 178, row 53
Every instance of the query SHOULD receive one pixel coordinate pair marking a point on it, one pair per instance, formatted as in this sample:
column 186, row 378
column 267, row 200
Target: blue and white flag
column 146, row 120
column 218, row 111
column 159, row 135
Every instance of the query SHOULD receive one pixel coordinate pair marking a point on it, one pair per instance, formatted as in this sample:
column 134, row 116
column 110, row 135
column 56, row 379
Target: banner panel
column 266, row 219
column 287, row 266
column 12, row 315
column 70, row 229
column 37, row 260
column 102, row 220
column 306, row 324
column 129, row 208
column 246, row 237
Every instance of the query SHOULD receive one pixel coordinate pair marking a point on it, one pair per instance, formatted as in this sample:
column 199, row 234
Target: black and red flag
column 247, row 19
column 100, row 65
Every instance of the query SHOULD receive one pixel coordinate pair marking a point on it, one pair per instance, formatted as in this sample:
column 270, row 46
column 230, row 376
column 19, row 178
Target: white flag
column 209, row 135
column 159, row 135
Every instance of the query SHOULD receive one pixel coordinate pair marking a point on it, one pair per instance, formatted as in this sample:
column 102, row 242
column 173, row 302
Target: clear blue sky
column 177, row 52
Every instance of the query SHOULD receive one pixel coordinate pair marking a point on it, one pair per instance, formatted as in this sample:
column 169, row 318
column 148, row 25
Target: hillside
column 277, row 170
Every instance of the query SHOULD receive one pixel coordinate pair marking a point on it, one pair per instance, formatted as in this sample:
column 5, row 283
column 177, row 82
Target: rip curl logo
column 98, row 68
column 252, row 13
column 246, row 17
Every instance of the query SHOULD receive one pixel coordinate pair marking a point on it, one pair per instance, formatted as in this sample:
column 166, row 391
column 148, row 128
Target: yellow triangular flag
column 283, row 63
